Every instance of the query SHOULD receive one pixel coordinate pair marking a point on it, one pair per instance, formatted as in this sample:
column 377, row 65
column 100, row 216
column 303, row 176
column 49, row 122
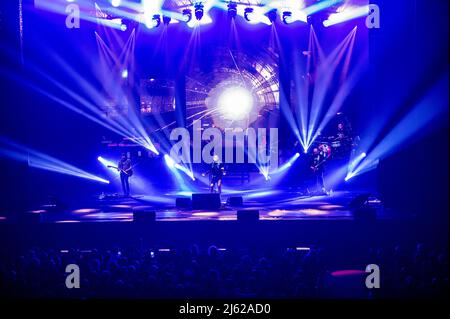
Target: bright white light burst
column 235, row 103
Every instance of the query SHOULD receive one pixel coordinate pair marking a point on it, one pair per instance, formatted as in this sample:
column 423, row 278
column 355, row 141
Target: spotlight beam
column 107, row 163
column 287, row 165
column 43, row 161
column 341, row 95
column 432, row 107
column 325, row 71
column 68, row 105
column 302, row 94
column 174, row 168
column 322, row 5
column 347, row 15
column 97, row 114
column 122, row 123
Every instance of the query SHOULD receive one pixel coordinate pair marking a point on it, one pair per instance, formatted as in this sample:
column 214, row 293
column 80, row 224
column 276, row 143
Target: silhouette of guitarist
column 318, row 160
column 124, row 166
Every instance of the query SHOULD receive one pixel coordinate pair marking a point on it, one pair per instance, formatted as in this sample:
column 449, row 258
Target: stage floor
column 272, row 205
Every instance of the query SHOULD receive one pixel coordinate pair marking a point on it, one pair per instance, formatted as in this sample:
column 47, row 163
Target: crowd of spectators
column 212, row 272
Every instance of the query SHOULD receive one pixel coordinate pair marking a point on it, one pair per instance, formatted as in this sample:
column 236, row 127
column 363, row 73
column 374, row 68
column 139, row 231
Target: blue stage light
column 169, row 161
column 287, row 17
column 198, row 11
column 355, row 161
column 187, row 15
column 174, row 169
column 272, row 15
column 166, row 20
column 428, row 110
column 232, row 10
column 320, row 5
column 248, row 14
column 346, row 15
column 107, row 163
column 130, row 127
column 156, row 20
column 288, row 164
column 43, row 161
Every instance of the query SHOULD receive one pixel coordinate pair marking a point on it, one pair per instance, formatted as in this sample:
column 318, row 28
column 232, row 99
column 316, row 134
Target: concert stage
column 287, row 218
column 273, row 205
column 324, row 131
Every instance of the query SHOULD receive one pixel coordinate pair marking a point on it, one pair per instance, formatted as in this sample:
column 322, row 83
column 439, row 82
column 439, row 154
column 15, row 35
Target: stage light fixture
column 166, row 20
column 198, row 11
column 116, row 23
column 348, row 177
column 156, row 20
column 287, row 17
column 124, row 74
column 232, row 10
column 272, row 15
column 354, row 163
column 106, row 163
column 128, row 24
column 248, row 14
column 187, row 14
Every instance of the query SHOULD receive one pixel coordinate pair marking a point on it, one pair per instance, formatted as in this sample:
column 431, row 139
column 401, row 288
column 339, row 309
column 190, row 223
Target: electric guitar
column 315, row 168
column 128, row 172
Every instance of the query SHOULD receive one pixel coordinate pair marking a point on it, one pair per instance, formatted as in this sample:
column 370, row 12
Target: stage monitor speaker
column 235, row 201
column 206, row 201
column 144, row 216
column 183, row 202
column 359, row 201
column 361, row 210
column 248, row 215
